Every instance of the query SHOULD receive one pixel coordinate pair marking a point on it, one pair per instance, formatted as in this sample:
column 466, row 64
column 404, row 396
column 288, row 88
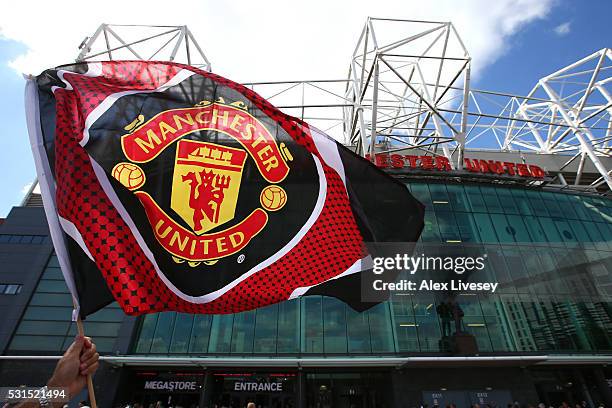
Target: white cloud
column 26, row 188
column 563, row 29
column 272, row 40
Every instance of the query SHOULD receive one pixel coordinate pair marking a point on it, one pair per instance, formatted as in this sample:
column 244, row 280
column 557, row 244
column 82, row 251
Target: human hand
column 80, row 360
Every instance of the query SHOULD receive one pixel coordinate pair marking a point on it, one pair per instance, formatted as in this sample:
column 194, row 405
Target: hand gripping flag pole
column 47, row 187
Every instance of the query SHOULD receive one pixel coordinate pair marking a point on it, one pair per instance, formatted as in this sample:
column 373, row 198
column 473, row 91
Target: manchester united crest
column 206, row 179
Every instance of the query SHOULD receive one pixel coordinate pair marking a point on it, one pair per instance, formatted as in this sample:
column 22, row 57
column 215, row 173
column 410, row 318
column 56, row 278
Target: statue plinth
column 464, row 344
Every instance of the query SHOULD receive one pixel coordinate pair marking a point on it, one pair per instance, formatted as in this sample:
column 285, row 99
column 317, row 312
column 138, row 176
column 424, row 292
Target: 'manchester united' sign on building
column 442, row 164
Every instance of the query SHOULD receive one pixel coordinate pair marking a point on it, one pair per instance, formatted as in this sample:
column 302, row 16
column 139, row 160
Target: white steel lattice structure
column 571, row 115
column 400, row 75
column 408, row 89
column 143, row 42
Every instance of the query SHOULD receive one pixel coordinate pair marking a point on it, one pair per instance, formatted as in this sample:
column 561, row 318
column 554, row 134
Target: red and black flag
column 170, row 188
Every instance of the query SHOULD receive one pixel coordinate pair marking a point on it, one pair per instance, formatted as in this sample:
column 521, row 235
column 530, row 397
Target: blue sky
column 550, row 39
column 538, row 50
column 15, row 152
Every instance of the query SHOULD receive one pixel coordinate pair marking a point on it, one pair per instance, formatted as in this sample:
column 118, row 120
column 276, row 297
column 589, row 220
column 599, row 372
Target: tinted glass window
column 537, row 203
column 181, row 333
column 550, row 230
column 475, row 198
column 490, row 198
column 519, row 229
column 289, row 326
column 221, row 334
column 485, row 228
column 448, row 226
column 266, row 329
column 458, row 198
column 431, row 231
column 358, row 332
column 200, row 334
column 163, row 333
column 312, row 322
column 334, row 320
column 12, row 289
column 565, row 204
column 381, row 332
column 505, row 232
column 147, row 329
column 468, row 230
column 242, row 334
column 38, row 327
column 551, row 203
column 506, row 200
column 536, row 232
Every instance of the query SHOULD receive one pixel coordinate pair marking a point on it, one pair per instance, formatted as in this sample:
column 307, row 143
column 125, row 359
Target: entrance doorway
column 263, row 401
column 266, row 390
column 347, row 390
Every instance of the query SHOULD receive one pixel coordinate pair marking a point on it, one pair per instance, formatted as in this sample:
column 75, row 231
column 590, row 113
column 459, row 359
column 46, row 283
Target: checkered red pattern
column 331, row 245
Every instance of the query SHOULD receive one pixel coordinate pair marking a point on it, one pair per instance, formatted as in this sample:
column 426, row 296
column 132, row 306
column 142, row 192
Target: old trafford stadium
column 228, row 263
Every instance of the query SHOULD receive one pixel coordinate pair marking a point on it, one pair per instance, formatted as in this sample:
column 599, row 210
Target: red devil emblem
column 205, row 197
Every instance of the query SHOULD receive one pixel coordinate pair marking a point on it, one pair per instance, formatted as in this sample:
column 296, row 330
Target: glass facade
column 551, row 252
column 24, row 239
column 46, row 325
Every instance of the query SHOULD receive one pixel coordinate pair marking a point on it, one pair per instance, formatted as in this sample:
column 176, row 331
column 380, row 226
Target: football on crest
column 130, row 175
column 273, row 198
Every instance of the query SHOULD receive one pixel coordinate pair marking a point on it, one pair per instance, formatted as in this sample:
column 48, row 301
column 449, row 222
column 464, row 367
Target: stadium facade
column 542, row 216
column 545, row 335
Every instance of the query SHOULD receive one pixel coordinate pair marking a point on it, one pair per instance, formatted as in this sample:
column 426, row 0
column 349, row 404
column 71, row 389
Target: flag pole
column 47, row 189
column 81, row 332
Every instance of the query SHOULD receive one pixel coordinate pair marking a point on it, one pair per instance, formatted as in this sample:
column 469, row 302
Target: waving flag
column 170, row 188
